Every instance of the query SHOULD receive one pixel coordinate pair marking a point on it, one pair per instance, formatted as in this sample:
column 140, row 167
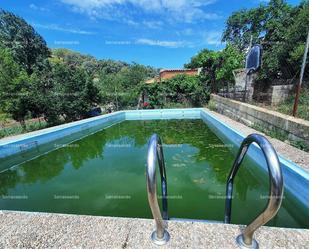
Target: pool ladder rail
column 245, row 240
column 155, row 153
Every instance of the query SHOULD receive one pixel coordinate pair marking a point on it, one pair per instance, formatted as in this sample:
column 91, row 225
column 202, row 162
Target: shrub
column 181, row 91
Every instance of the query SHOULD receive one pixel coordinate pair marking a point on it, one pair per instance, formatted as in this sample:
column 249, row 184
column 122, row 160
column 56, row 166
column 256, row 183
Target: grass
column 303, row 106
column 18, row 129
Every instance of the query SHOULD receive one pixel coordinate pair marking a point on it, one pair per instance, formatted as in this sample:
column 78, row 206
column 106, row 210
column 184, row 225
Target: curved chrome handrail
column 245, row 240
column 155, row 153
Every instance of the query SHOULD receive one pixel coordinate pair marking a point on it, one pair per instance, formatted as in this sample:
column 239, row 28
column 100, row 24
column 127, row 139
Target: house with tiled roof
column 170, row 73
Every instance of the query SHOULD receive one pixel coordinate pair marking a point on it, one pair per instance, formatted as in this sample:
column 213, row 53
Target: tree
column 209, row 61
column 14, row 87
column 265, row 23
column 120, row 86
column 73, row 93
column 217, row 66
column 231, row 58
column 28, row 48
column 182, row 89
column 282, row 31
column 185, row 88
column 242, row 24
column 296, row 34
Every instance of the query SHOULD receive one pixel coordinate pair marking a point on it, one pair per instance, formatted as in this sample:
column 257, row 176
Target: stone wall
column 295, row 129
column 280, row 93
column 240, row 78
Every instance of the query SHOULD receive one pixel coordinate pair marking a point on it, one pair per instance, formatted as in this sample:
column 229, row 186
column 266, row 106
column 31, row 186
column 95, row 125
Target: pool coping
column 46, row 230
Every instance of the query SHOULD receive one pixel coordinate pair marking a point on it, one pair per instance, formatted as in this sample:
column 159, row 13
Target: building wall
column 171, row 74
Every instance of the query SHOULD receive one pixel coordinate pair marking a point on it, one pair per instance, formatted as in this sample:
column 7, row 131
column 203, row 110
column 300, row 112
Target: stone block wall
column 280, row 93
column 295, row 129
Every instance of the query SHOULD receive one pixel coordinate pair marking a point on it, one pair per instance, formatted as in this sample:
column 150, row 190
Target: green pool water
column 104, row 174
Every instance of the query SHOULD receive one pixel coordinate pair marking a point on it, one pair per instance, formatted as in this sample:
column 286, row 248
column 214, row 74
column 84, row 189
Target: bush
column 212, row 105
column 181, row 91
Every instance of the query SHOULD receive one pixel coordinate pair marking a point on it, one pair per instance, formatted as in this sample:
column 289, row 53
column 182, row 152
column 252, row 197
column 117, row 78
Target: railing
column 245, row 240
column 155, row 153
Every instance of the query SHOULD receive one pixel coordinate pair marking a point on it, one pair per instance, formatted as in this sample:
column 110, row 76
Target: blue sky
column 160, row 33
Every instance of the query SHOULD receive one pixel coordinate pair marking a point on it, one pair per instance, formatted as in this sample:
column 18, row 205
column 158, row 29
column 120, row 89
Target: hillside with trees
column 58, row 85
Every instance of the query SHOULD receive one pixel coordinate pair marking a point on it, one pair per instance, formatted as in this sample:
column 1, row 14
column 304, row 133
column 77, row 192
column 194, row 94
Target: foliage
column 280, row 28
column 181, row 89
column 209, row 61
column 60, row 86
column 27, row 47
column 14, row 87
column 120, row 87
column 58, row 91
column 18, row 129
column 72, row 95
column 212, row 105
column 4, row 119
column 231, row 59
column 117, row 81
column 155, row 94
column 72, row 58
column 217, row 66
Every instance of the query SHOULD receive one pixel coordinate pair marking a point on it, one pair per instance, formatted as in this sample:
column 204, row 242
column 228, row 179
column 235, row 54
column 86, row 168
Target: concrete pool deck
column 42, row 230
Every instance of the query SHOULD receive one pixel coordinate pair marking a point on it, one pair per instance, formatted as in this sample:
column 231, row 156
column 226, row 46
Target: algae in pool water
column 104, row 174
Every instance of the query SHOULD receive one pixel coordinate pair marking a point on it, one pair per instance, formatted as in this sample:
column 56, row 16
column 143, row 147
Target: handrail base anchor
column 162, row 241
column 243, row 245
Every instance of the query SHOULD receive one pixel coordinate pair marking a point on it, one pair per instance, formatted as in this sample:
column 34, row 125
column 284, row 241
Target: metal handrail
column 155, row 153
column 245, row 240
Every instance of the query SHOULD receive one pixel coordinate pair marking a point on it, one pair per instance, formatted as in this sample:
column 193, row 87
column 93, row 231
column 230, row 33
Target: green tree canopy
column 14, row 87
column 73, row 93
column 280, row 28
column 28, row 48
column 183, row 90
column 119, row 83
column 217, row 66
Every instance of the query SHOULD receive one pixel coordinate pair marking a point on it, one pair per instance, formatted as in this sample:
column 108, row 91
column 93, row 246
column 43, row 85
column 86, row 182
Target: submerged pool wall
column 17, row 149
column 192, row 113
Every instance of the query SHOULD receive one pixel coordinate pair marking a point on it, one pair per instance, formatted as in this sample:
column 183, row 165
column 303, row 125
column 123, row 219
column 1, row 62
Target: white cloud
column 153, row 24
column 180, row 10
column 212, row 38
column 150, row 42
column 62, row 29
column 160, row 43
column 35, row 7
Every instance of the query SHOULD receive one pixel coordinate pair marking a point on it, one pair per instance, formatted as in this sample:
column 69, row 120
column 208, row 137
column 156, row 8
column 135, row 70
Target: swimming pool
column 98, row 168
